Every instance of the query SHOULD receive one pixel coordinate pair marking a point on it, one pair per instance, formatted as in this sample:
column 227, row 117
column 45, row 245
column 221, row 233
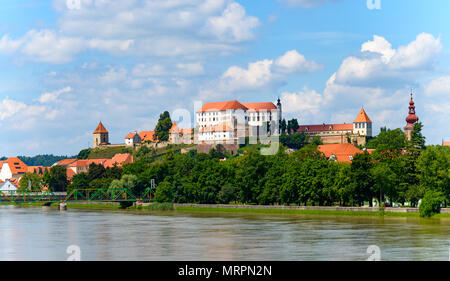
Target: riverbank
column 249, row 209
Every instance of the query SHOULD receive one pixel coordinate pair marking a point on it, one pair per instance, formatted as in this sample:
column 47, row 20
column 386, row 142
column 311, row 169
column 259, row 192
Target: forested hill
column 43, row 160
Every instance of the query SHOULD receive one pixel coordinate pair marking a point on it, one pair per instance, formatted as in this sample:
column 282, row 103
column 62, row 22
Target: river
column 44, row 233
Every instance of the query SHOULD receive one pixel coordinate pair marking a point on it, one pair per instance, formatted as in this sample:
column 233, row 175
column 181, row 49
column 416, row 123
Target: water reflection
column 45, row 233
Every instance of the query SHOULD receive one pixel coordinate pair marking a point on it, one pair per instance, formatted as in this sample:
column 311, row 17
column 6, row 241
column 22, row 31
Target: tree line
column 397, row 171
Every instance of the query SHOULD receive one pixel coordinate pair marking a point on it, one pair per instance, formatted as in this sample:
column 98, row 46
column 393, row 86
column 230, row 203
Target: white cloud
column 292, row 62
column 233, row 25
column 379, row 63
column 439, row 87
column 10, row 108
column 143, row 28
column 299, row 102
column 265, row 73
column 53, row 96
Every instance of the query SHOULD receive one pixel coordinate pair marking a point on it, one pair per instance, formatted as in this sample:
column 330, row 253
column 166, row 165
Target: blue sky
column 66, row 65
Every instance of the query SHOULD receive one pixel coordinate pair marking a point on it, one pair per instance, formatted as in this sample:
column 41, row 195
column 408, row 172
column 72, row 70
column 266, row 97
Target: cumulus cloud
column 438, row 87
column 266, row 73
column 233, row 25
column 144, row 28
column 305, row 100
column 380, row 63
column 53, row 96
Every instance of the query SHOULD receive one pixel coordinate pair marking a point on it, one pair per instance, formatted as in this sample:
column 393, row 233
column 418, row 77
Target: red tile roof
column 65, row 162
column 16, row 165
column 222, row 106
column 130, row 135
column 100, row 129
column 70, row 173
column 325, row 127
column 174, row 128
column 342, row 152
column 119, row 159
column 148, row 136
column 87, row 162
column 260, row 106
column 446, row 143
column 362, row 117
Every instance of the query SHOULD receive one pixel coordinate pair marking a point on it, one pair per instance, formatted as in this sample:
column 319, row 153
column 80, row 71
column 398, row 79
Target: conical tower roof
column 362, row 117
column 100, row 129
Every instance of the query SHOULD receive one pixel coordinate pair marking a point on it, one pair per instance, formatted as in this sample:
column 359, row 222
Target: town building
column 9, row 185
column 77, row 166
column 445, row 143
column 226, row 121
column 12, row 168
column 148, row 136
column 180, row 136
column 343, row 152
column 411, row 119
column 132, row 139
column 355, row 133
column 101, row 136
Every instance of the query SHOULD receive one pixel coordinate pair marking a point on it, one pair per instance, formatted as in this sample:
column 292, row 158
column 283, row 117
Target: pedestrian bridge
column 74, row 195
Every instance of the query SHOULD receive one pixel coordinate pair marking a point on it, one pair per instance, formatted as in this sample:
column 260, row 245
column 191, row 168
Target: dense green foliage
column 103, row 152
column 431, row 203
column 56, row 179
column 163, row 126
column 42, row 160
column 30, row 181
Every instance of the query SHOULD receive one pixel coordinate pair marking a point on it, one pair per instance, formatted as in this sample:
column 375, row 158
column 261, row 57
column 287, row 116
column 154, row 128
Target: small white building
column 7, row 186
column 132, row 139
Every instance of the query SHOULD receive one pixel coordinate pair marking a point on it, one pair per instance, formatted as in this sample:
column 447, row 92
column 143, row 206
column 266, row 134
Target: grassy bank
column 302, row 212
column 169, row 207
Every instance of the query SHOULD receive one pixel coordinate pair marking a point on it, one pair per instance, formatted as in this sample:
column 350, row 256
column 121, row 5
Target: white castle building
column 226, row 121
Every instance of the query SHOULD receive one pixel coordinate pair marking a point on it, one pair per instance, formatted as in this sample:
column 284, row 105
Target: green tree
column 79, row 181
column 163, row 126
column 362, row 179
column 30, row 180
column 84, row 154
column 283, row 126
column 433, row 166
column 96, row 171
column 56, row 179
column 431, row 203
column 164, row 193
column 292, row 126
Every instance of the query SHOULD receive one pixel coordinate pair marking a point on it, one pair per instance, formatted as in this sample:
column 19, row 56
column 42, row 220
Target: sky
column 65, row 65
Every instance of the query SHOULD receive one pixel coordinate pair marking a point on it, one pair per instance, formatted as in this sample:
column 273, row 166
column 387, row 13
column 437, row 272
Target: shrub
column 164, row 193
column 161, row 207
column 431, row 203
column 125, row 204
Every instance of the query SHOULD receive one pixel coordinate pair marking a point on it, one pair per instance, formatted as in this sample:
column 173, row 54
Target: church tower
column 411, row 119
column 101, row 136
column 280, row 117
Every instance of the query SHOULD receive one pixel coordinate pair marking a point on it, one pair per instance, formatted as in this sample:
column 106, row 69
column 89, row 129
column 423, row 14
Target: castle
column 218, row 122
column 355, row 133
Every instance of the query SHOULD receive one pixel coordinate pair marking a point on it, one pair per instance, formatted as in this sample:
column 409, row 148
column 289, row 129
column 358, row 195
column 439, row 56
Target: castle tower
column 411, row 119
column 362, row 125
column 101, row 136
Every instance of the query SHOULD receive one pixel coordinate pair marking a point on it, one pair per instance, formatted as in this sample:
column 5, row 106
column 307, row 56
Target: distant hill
column 43, row 160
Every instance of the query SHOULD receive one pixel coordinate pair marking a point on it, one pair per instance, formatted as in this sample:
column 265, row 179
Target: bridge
column 93, row 195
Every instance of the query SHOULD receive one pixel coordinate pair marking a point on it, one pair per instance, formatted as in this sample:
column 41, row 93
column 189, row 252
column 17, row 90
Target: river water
column 46, row 233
